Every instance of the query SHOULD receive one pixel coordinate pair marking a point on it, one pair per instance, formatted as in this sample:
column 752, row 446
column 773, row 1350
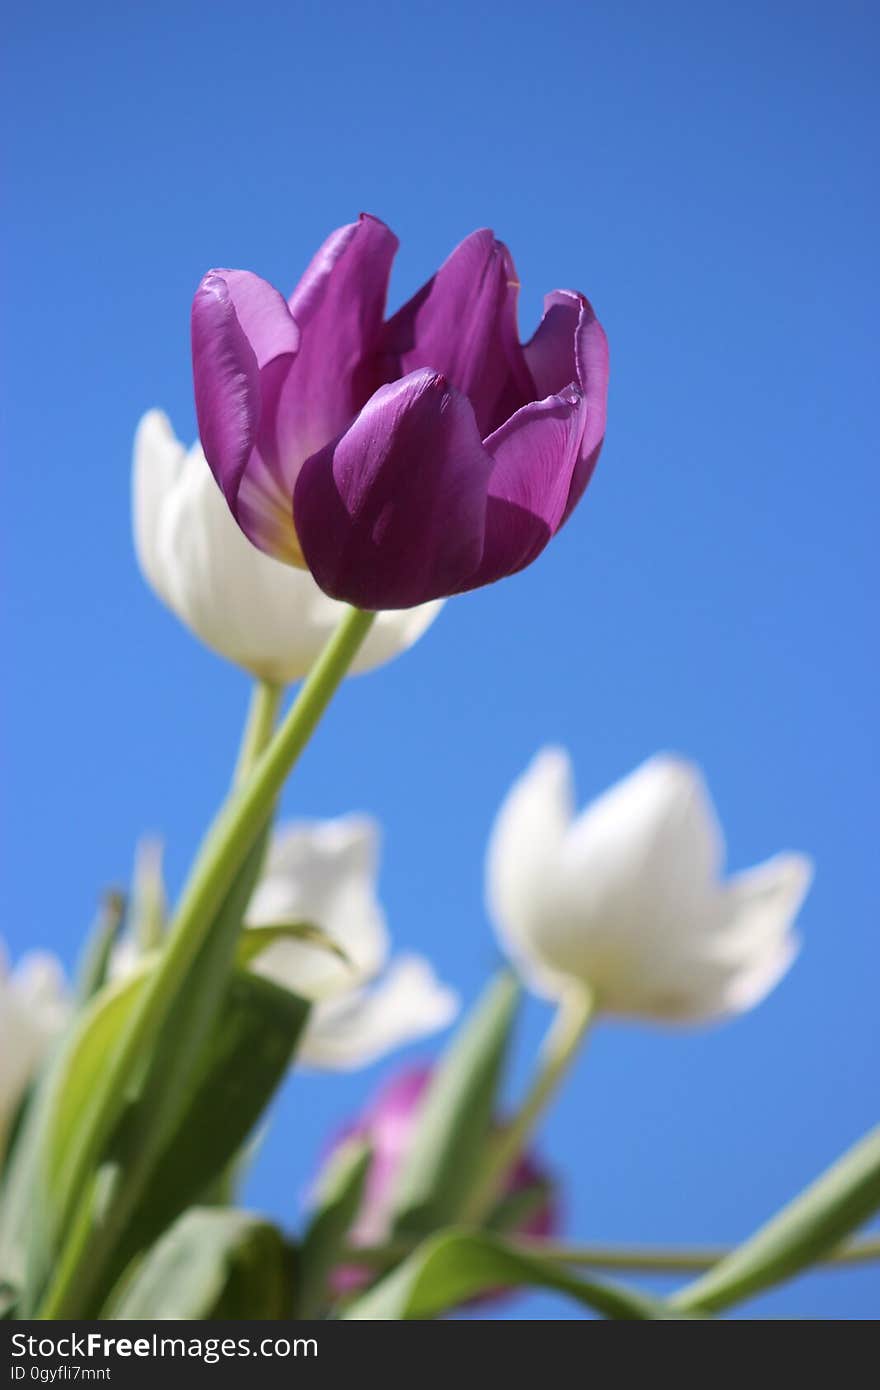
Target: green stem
column 805, row 1231
column 234, row 833
column 558, row 1051
column 645, row 1259
column 262, row 717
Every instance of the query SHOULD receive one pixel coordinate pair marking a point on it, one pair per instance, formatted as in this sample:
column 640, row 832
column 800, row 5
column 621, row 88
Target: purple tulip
column 399, row 460
column 388, row 1126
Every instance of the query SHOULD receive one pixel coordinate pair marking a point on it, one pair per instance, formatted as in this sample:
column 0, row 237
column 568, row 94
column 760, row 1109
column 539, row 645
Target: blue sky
column 705, row 175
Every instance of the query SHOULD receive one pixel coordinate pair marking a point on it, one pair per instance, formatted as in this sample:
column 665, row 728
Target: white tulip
column 34, row 1006
column 267, row 617
column 627, row 897
column 325, row 873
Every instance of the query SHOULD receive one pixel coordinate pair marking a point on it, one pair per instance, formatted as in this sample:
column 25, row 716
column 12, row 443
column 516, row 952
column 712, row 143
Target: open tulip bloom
column 352, row 472
column 406, row 459
column 326, row 873
column 626, row 899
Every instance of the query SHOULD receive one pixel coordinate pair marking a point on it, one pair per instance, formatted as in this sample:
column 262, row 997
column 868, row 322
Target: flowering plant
column 354, row 472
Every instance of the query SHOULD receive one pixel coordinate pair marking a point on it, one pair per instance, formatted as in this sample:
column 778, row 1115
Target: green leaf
column 152, row 1179
column 193, row 1008
column 255, row 940
column 223, row 1191
column 803, row 1232
column 200, row 1001
column 339, row 1198
column 7, row 1301
column 94, row 1036
column 241, row 1067
column 455, row 1116
column 22, row 1218
column 213, row 1263
column 95, row 962
column 454, row 1266
column 28, row 1232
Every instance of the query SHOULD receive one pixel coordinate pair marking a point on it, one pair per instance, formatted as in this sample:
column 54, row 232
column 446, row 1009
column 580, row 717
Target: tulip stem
column 643, row 1259
column 573, row 1016
column 814, row 1222
column 261, row 719
column 229, row 841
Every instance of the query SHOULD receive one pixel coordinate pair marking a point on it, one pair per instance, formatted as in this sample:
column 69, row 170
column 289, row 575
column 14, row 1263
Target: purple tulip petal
column 462, row 324
column 570, row 345
column 550, row 353
column 264, row 511
column 393, row 513
column 591, row 354
column 242, row 337
column 535, row 455
column 263, row 314
column 338, row 305
column 227, row 385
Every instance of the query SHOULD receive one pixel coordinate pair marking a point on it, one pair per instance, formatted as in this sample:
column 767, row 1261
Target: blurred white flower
column 34, row 1006
column 268, row 617
column 628, row 898
column 324, row 872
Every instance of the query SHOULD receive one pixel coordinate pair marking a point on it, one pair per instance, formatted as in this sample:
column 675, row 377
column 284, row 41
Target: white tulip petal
column 393, row 632
column 761, row 904
column 656, row 830
column 157, row 465
column 407, row 1004
column 756, row 945
column 40, row 983
column 523, row 848
column 125, row 958
column 323, row 873
column 34, row 1007
column 268, row 617
column 748, row 986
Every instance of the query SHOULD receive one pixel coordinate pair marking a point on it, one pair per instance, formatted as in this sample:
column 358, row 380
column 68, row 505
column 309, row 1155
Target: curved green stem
column 645, row 1259
column 559, row 1049
column 230, row 839
column 799, row 1235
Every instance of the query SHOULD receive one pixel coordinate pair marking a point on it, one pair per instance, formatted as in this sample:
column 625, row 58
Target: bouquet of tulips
column 354, row 472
